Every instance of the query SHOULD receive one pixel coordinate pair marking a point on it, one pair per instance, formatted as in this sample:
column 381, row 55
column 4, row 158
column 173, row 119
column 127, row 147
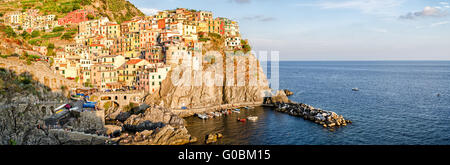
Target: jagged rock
column 145, row 125
column 280, row 97
column 288, row 92
column 155, row 114
column 166, row 135
column 212, row 137
column 113, row 130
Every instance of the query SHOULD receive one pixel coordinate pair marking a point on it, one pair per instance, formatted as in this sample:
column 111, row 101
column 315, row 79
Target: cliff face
column 25, row 103
column 234, row 79
column 115, row 10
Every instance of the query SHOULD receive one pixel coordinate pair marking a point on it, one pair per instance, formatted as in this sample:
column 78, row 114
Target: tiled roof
column 134, row 61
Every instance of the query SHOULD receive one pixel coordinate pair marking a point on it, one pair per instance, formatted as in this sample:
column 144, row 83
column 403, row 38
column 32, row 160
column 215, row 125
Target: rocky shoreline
column 323, row 117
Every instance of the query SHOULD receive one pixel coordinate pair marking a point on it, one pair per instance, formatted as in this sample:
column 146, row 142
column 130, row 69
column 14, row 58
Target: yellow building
column 202, row 26
column 113, row 30
column 128, row 71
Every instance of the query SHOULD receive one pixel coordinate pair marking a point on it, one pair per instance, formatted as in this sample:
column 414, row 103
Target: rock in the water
column 288, row 92
column 212, row 137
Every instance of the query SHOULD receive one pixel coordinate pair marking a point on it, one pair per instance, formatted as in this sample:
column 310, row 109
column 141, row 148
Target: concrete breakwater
column 319, row 116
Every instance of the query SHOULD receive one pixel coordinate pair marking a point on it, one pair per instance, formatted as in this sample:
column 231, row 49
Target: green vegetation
column 58, row 29
column 9, row 31
column 12, row 142
column 51, row 35
column 68, row 35
column 90, row 17
column 245, row 46
column 203, row 39
column 36, row 42
column 107, row 105
column 50, row 48
column 129, row 107
column 25, row 35
column 29, row 58
column 35, row 34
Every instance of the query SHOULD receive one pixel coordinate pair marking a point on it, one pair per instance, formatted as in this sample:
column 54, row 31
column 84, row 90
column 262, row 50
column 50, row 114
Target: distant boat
column 355, row 89
column 241, row 120
column 253, row 118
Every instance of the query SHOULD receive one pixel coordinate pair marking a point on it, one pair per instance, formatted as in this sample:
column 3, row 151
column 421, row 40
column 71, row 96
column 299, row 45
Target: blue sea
column 397, row 104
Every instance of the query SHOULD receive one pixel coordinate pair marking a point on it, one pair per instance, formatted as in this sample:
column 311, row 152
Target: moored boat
column 253, row 118
column 241, row 120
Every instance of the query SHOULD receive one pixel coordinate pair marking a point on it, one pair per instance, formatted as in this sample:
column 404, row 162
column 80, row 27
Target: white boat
column 202, row 116
column 355, row 89
column 253, row 118
column 217, row 114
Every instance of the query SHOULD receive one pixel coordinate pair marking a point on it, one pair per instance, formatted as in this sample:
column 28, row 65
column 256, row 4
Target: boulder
column 113, row 129
column 288, row 92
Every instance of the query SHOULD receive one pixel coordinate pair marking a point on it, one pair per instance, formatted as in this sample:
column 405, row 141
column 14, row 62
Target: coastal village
column 107, row 79
column 135, row 54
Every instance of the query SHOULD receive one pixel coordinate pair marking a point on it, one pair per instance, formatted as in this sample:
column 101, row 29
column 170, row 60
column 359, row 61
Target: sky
column 333, row 29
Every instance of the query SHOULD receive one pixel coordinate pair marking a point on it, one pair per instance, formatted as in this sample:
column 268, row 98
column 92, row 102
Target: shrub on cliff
column 35, row 34
column 9, row 31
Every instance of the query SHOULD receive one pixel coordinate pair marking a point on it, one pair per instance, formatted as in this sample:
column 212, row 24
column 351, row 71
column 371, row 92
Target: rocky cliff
column 25, row 103
column 229, row 79
column 154, row 126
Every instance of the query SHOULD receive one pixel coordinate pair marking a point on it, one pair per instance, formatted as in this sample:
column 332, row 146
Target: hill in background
column 115, row 10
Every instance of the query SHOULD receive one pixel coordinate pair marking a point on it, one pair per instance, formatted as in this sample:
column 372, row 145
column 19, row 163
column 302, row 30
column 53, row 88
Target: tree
column 50, row 48
column 35, row 34
column 10, row 32
column 58, row 29
column 66, row 36
column 90, row 17
column 25, row 35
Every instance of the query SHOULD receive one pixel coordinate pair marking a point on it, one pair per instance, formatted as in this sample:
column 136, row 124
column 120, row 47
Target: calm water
column 397, row 104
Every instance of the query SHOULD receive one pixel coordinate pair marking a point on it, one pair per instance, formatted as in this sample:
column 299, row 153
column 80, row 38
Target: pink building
column 76, row 16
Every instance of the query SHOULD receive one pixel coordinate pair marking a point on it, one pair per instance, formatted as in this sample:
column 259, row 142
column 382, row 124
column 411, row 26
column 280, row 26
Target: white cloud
column 149, row 11
column 433, row 25
column 443, row 3
column 426, row 12
column 439, row 23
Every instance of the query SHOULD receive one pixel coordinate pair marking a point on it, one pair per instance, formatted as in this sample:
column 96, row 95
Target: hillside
column 115, row 10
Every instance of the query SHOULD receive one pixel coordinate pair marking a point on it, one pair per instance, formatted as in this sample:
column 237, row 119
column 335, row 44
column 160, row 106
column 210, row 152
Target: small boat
column 202, row 116
column 355, row 89
column 241, row 120
column 438, row 95
column 236, row 111
column 253, row 118
column 249, row 107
